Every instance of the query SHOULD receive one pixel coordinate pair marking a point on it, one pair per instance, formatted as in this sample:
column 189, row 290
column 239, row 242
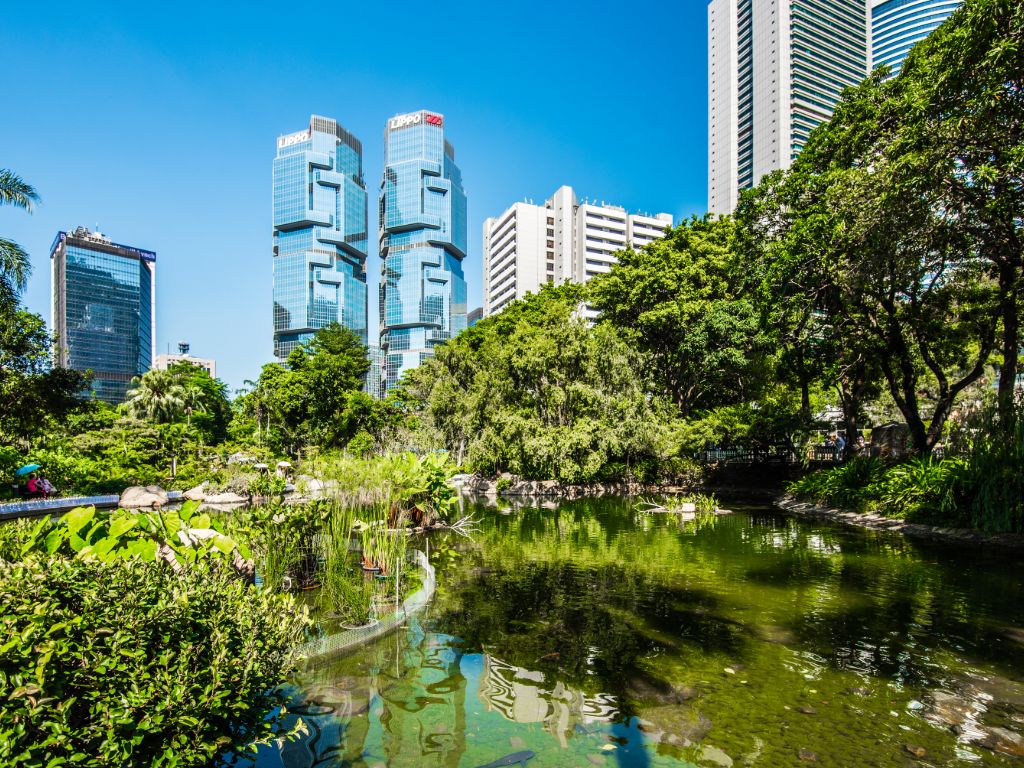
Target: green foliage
column 854, row 483
column 156, row 396
column 919, row 489
column 127, row 452
column 266, row 485
column 679, row 298
column 535, row 392
column 126, row 663
column 86, row 533
column 982, row 488
column 316, row 399
column 33, row 395
column 502, row 485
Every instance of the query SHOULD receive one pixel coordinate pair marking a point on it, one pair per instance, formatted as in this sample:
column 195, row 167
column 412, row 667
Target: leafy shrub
column 264, row 484
column 126, row 663
column 854, row 483
column 86, row 533
column 919, row 488
column 503, row 484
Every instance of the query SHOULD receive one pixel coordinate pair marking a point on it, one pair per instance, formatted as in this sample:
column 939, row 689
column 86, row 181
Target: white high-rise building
column 560, row 241
column 775, row 71
column 896, row 25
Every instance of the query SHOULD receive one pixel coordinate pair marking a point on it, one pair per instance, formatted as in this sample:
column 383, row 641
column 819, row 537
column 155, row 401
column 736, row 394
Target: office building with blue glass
column 320, row 234
column 422, row 243
column 896, row 25
column 103, row 310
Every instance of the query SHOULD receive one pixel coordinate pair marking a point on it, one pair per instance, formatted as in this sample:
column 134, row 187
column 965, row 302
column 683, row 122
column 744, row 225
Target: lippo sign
column 414, row 118
column 292, row 138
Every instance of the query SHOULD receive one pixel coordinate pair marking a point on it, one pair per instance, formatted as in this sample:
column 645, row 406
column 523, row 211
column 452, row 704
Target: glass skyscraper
column 422, row 243
column 896, row 25
column 320, row 234
column 103, row 309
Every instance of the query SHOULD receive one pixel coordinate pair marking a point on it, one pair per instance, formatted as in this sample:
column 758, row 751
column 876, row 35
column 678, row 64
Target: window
column 551, row 221
column 551, row 233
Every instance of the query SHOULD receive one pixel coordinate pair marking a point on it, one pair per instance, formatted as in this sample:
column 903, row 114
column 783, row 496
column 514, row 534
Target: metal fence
column 350, row 638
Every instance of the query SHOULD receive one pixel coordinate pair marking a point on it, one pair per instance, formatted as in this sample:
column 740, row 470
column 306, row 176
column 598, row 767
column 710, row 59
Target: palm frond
column 15, row 191
column 15, row 266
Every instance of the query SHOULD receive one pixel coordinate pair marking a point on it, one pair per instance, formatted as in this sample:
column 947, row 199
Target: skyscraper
column 561, row 241
column 896, row 25
column 422, row 242
column 320, row 234
column 103, row 310
column 775, row 72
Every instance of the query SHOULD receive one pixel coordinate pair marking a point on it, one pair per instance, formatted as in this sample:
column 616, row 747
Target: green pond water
column 592, row 634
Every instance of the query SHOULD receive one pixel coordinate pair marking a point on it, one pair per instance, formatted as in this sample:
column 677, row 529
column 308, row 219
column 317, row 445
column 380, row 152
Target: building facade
column 163, row 361
column 422, row 243
column 775, row 72
column 103, row 309
column 560, row 241
column 374, row 383
column 320, row 234
column 896, row 25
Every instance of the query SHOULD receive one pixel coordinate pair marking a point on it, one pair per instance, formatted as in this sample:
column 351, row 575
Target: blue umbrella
column 27, row 468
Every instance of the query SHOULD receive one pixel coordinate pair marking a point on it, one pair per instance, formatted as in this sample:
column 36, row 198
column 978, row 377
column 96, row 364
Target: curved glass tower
column 319, row 234
column 422, row 243
column 896, row 25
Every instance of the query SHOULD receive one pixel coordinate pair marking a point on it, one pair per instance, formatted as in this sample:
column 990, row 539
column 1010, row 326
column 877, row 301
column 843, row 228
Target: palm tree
column 157, row 396
column 14, row 262
column 195, row 401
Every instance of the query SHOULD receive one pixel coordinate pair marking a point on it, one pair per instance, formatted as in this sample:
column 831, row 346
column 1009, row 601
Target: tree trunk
column 1009, row 286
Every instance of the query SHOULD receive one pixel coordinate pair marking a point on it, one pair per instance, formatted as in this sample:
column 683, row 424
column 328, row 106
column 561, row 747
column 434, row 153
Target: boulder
column 226, row 498
column 1003, row 740
column 196, row 494
column 140, row 497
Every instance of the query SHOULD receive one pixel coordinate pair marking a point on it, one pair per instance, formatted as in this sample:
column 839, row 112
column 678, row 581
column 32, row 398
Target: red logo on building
column 435, row 120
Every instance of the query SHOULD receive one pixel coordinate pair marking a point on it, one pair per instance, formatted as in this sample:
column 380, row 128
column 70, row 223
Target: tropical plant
column 156, row 396
column 14, row 261
column 179, row 538
column 127, row 663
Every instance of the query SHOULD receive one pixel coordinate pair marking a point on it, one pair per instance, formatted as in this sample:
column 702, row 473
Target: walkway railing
column 36, row 507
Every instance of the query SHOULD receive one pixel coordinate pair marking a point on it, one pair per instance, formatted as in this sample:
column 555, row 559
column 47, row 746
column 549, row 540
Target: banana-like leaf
column 79, row 517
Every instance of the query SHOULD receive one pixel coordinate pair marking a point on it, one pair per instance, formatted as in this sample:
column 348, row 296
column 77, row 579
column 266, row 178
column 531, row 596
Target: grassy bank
column 982, row 489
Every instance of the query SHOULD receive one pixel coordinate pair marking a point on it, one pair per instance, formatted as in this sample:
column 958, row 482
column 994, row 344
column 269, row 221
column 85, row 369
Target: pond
column 589, row 633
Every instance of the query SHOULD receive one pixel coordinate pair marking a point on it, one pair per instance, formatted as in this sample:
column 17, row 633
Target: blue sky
column 159, row 125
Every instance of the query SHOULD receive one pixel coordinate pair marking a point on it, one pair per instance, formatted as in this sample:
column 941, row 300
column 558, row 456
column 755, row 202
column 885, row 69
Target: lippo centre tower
column 422, row 243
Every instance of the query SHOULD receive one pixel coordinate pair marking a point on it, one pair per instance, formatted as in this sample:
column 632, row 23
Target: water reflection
column 590, row 634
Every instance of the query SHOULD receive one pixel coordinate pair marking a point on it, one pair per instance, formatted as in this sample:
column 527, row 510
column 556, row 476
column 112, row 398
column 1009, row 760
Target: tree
column 847, row 235
column 316, row 398
column 959, row 139
column 14, row 261
column 156, row 396
column 681, row 299
column 204, row 399
column 535, row 391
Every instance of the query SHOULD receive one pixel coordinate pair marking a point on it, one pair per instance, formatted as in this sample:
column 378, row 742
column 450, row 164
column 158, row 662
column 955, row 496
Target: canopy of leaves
column 536, row 392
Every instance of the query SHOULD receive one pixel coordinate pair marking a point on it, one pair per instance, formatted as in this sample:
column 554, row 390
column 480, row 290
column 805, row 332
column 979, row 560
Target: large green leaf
column 122, row 525
column 78, row 517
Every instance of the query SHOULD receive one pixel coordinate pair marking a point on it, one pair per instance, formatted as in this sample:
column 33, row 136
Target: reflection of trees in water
column 602, row 586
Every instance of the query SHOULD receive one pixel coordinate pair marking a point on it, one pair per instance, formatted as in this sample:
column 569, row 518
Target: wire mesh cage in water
column 350, row 638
